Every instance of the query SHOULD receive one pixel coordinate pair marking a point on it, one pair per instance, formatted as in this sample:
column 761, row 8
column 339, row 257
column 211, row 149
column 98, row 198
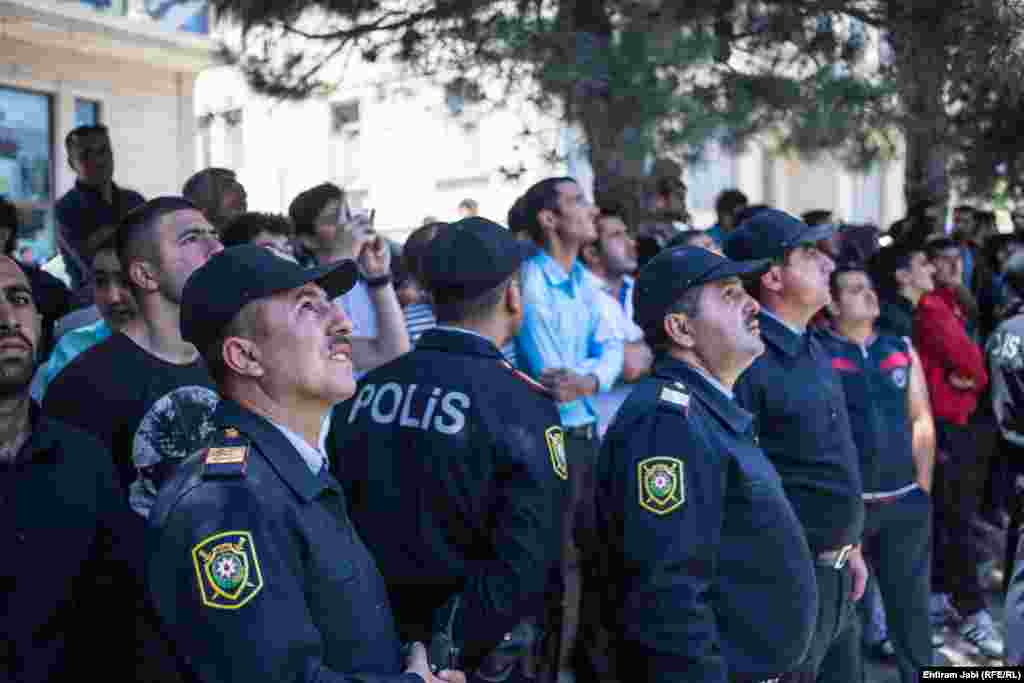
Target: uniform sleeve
column 231, row 590
column 526, row 537
column 663, row 487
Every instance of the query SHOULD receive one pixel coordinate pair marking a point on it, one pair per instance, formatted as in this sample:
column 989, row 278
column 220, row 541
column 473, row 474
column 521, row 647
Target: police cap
column 667, row 276
column 471, row 256
column 769, row 233
column 232, row 278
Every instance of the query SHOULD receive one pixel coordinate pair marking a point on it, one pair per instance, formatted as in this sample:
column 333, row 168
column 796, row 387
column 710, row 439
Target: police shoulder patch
column 675, row 396
column 227, row 569
column 227, row 454
column 556, row 450
column 662, row 484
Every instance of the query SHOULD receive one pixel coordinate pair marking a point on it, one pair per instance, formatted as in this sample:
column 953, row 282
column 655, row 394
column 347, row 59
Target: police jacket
column 258, row 574
column 455, row 471
column 708, row 574
column 876, row 382
column 70, row 548
column 802, row 424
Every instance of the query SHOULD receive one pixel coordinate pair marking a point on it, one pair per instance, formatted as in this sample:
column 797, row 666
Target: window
column 87, row 112
column 26, row 159
column 346, row 142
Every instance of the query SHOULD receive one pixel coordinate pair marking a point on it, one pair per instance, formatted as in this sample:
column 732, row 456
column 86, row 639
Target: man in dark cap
column 253, row 563
column 454, row 465
column 693, row 521
column 798, row 402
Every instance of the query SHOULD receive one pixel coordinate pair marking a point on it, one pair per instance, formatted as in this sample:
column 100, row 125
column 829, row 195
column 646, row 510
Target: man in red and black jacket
column 955, row 371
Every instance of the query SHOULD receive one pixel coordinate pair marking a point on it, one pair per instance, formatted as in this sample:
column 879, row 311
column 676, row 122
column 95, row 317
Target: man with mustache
column 253, row 563
column 454, row 465
column 800, row 411
column 116, row 307
column 68, row 539
column 693, row 522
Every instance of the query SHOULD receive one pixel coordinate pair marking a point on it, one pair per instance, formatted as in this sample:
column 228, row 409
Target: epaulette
column 227, row 454
column 674, row 396
column 531, row 382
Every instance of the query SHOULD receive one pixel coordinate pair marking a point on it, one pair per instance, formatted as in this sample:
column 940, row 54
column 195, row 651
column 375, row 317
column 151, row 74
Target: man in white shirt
column 610, row 260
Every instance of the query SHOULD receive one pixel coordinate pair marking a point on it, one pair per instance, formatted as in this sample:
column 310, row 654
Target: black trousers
column 834, row 655
column 958, row 486
column 897, row 536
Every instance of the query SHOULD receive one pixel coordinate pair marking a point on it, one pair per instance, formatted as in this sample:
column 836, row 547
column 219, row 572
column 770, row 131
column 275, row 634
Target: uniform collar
column 780, row 335
column 458, row 340
column 275, row 447
column 727, row 410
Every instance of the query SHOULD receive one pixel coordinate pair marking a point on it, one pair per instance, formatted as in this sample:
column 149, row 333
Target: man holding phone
column 331, row 231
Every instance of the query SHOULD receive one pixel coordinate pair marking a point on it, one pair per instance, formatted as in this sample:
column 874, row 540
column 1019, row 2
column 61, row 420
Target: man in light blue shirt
column 567, row 345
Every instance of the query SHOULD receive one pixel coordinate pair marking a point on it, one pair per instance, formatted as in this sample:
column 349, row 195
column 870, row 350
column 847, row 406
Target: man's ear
column 242, row 357
column 679, row 328
column 142, row 275
column 771, row 279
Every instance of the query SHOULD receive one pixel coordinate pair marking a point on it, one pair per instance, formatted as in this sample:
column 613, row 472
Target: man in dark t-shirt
column 145, row 391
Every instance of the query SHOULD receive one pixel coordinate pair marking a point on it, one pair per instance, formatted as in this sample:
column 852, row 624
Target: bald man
column 67, row 536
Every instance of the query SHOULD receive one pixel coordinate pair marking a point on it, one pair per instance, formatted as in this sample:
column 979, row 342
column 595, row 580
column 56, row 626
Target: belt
column 834, row 559
column 587, row 432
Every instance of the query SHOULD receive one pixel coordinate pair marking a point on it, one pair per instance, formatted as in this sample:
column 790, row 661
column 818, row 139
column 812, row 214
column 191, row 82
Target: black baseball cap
column 667, row 276
column 770, row 232
column 471, row 256
column 230, row 279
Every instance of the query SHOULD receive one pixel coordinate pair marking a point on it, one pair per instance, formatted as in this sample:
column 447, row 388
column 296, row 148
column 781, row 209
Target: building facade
column 67, row 63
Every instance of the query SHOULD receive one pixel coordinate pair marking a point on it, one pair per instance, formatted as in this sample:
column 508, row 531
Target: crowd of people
column 261, row 447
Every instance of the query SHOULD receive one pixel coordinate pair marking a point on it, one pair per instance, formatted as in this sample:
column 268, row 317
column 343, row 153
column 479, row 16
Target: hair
column 206, row 188
column 136, row 234
column 540, row 196
column 242, row 325
column 243, row 228
column 450, row 307
column 308, row 204
column 415, row 249
column 684, row 238
column 884, row 263
column 817, row 217
column 729, row 200
column 688, row 304
column 752, row 281
column 9, row 218
column 76, row 134
column 1015, row 273
column 843, row 269
column 469, row 204
column 935, row 247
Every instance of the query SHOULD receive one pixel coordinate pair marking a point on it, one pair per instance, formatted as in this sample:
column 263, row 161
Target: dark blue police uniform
column 257, row 572
column 709, row 575
column 802, row 424
column 876, row 383
column 455, row 471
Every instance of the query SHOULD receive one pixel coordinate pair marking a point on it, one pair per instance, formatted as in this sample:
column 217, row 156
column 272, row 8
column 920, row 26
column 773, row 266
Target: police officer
column 454, row 464
column 253, row 564
column 707, row 572
column 887, row 399
column 798, row 403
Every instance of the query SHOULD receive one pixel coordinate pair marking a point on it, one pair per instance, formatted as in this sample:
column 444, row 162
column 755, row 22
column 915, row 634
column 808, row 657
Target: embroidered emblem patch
column 227, row 569
column 556, row 449
column 662, row 484
column 899, row 377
